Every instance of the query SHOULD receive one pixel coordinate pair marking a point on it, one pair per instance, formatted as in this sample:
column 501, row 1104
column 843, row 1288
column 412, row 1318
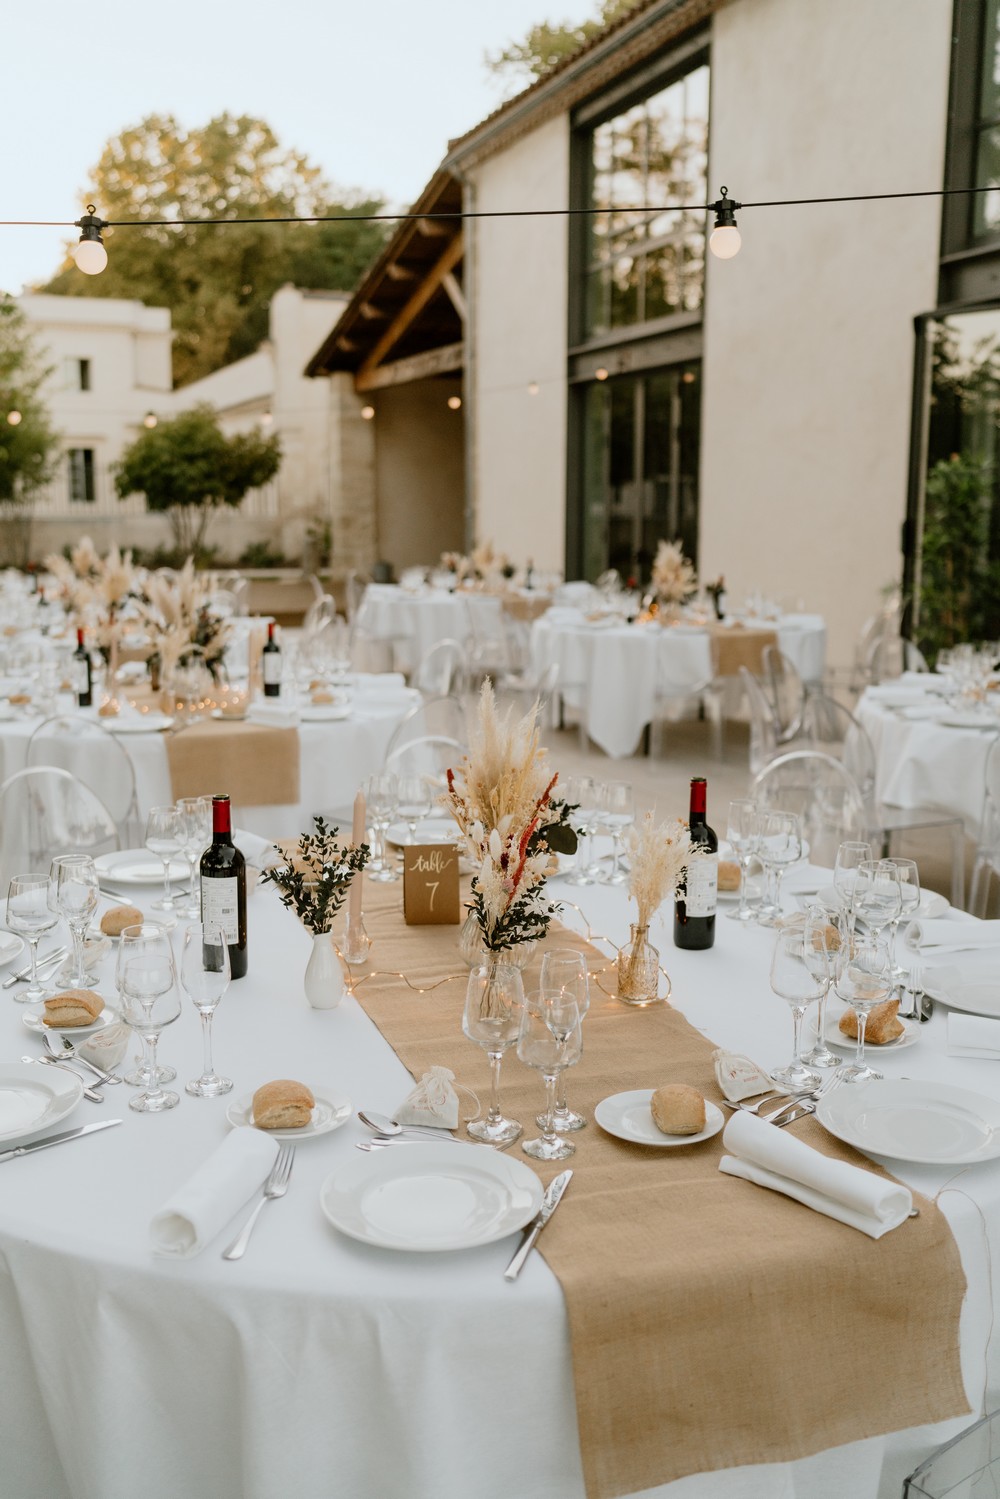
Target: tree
column 548, row 43
column 217, row 282
column 28, row 443
column 187, row 468
column 960, row 582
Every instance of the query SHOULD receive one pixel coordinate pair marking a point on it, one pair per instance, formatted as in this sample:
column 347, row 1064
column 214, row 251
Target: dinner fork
column 275, row 1186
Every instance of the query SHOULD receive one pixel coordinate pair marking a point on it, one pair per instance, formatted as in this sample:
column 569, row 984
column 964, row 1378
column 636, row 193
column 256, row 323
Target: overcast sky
column 370, row 90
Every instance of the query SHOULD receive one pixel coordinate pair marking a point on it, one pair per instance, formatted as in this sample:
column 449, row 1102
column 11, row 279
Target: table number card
column 430, row 885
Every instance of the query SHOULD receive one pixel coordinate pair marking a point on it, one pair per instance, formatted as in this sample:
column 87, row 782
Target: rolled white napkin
column 973, row 1036
column 206, row 1202
column 378, row 682
column 944, row 935
column 274, row 716
column 256, row 850
column 770, row 1158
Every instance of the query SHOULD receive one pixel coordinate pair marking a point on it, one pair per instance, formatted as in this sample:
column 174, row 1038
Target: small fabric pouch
column 434, row 1101
column 738, row 1077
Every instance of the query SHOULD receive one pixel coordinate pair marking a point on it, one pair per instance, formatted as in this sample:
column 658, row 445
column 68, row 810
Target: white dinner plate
column 834, row 1036
column 431, row 830
column 968, row 982
column 934, row 1124
column 970, row 721
column 137, row 866
column 627, row 1115
column 10, row 946
column 33, row 1097
column 143, row 723
column 32, row 1018
column 331, row 1112
column 428, row 1198
column 324, row 712
column 931, row 904
column 228, row 717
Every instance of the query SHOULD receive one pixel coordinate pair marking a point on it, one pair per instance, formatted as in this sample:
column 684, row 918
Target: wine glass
column 909, row 903
column 845, row 877
column 549, row 1037
column 381, row 799
column 743, row 832
column 76, row 895
column 619, row 813
column 779, row 845
column 798, row 983
column 30, row 915
column 414, row 802
column 581, row 793
column 863, row 980
column 140, row 1076
column 492, row 1016
column 820, row 945
column 877, row 897
column 149, row 998
column 195, row 813
column 163, row 838
column 205, row 975
column 564, row 971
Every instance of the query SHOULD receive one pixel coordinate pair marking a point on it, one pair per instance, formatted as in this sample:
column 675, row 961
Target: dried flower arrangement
column 674, row 578
column 314, row 882
column 183, row 628
column 93, row 588
column 659, row 855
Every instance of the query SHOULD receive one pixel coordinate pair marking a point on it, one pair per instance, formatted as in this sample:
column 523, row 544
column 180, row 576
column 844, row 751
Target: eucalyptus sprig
column 315, row 881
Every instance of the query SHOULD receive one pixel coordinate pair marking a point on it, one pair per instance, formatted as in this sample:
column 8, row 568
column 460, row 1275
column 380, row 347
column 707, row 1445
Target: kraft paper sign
column 430, row 885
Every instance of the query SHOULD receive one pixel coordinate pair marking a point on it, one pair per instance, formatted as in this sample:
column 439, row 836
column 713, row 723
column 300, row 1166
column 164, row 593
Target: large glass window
column 640, row 263
column 81, row 475
column 986, row 206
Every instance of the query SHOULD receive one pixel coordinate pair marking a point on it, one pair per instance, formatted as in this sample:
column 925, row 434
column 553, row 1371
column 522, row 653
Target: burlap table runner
column 734, row 648
column 257, row 764
column 526, row 609
column 713, row 1324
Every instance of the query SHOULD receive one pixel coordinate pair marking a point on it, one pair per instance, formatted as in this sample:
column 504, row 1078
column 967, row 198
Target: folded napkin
column 433, row 1101
column 274, row 715
column 945, row 935
column 378, row 682
column 256, row 850
column 973, row 1036
column 206, row 1202
column 105, row 1048
column 770, row 1158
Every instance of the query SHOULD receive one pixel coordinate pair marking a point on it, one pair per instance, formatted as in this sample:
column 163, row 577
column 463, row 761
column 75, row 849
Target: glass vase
column 473, row 953
column 638, row 969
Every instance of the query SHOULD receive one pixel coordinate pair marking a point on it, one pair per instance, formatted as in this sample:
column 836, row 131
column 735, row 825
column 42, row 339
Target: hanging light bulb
column 533, row 388
column 150, row 420
column 725, row 239
column 90, row 255
column 367, row 412
column 454, row 403
column 14, row 418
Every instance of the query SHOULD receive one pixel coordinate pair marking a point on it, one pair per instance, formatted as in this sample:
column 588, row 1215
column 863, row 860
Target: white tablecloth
column 318, row 1365
column 617, row 671
column 417, row 620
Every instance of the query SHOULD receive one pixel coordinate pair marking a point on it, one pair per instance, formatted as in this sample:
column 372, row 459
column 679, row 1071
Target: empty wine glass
column 798, row 984
column 779, row 845
column 909, row 903
column 76, row 895
column 381, row 799
column 877, row 898
column 140, row 1076
column 862, row 979
column 581, row 792
column 149, row 998
column 414, row 802
column 618, row 814
column 550, row 1037
column 564, row 971
column 820, row 945
column 30, row 916
column 493, row 1002
column 205, row 975
column 850, row 855
column 163, row 838
column 743, row 832
column 195, row 813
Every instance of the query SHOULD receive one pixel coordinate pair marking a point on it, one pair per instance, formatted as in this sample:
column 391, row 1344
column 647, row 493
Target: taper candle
column 357, row 838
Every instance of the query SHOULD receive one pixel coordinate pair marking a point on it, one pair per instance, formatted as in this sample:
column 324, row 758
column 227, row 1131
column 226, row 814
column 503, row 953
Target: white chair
column 442, row 669
column 45, row 811
column 96, row 757
column 967, row 1467
column 987, row 862
column 319, row 613
column 785, row 691
column 428, row 755
column 823, row 795
column 763, row 729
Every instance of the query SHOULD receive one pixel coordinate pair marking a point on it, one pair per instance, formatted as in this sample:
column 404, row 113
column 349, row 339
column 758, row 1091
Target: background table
column 416, row 620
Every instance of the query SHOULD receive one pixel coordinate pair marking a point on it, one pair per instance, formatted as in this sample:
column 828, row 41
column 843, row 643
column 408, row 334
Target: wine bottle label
column 271, row 662
column 219, row 907
column 702, row 885
column 80, row 678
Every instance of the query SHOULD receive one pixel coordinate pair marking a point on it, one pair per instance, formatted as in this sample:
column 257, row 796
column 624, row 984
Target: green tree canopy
column 217, row 282
column 187, row 468
column 28, row 443
column 548, row 43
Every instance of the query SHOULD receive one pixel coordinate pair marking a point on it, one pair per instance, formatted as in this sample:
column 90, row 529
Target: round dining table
column 325, row 1366
column 417, row 619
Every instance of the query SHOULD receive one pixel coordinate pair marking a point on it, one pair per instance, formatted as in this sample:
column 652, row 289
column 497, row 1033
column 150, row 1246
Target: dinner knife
column 43, row 962
column 550, row 1201
column 66, row 1134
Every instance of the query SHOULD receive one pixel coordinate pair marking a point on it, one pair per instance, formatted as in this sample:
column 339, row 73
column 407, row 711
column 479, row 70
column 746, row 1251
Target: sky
column 371, row 91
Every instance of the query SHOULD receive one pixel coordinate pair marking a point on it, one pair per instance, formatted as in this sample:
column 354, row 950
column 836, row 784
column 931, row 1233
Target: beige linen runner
column 737, row 647
column 257, row 765
column 713, row 1324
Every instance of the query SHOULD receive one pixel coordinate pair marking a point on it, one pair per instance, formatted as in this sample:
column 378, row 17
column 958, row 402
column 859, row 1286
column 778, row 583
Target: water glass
column 564, row 971
column 149, row 999
column 743, row 832
column 382, row 800
column 863, row 980
column 877, row 896
column 550, row 1038
column 581, row 793
column 798, row 983
column 618, row 814
column 820, row 946
column 492, row 1016
column 77, row 892
column 164, row 837
column 141, row 1076
column 909, row 904
column 30, row 916
column 850, row 855
column 414, row 802
column 195, row 813
column 779, row 845
column 205, row 976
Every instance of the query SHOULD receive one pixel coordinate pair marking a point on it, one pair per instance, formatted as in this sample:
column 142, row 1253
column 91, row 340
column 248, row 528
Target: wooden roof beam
column 445, row 263
column 443, row 360
column 456, row 294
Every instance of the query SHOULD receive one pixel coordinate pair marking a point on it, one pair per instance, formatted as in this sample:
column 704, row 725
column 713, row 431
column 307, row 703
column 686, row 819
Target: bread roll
column 18, row 698
column 729, row 874
column 678, row 1110
column 881, row 1027
column 110, row 709
column 283, row 1104
column 114, row 922
column 828, row 937
column 73, row 1007
column 321, row 697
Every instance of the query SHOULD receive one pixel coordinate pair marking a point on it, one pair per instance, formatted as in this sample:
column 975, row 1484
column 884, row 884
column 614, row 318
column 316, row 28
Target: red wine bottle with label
column 694, row 907
column 224, row 887
column 270, row 662
column 83, row 684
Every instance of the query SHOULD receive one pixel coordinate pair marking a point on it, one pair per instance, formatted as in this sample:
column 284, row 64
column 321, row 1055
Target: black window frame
column 86, row 468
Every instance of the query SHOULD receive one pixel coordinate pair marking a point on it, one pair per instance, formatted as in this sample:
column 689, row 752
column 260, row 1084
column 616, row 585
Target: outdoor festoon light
column 90, row 255
column 725, row 240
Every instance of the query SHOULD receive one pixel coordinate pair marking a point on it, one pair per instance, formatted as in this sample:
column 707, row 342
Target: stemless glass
column 581, row 792
column 799, row 985
column 195, row 814
column 76, row 895
column 414, row 802
column 779, row 845
column 205, row 975
column 550, row 1037
column 382, row 799
column 743, row 832
column 30, row 916
column 820, row 945
column 149, row 1002
column 850, row 856
column 877, row 898
column 564, row 971
column 163, row 838
column 619, row 813
column 140, row 1076
column 909, row 903
column 492, row 1016
column 862, row 979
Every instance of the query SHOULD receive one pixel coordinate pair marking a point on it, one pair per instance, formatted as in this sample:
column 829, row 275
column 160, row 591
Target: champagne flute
column 798, row 983
column 195, row 813
column 414, row 802
column 820, row 944
column 564, row 971
column 493, row 1002
column 779, row 845
column 581, row 793
column 743, row 832
column 549, row 1037
column 909, row 903
column 77, row 894
column 205, row 976
column 30, row 915
column 619, row 813
column 863, row 980
column 845, row 877
column 149, row 1002
column 140, row 1076
column 381, row 798
column 163, row 838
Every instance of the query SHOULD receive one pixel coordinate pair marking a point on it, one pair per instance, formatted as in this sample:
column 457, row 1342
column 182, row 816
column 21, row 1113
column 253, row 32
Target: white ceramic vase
column 324, row 980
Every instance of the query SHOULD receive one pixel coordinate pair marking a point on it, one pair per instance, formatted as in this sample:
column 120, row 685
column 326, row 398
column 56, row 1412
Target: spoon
column 62, row 1046
column 92, row 1093
column 383, row 1125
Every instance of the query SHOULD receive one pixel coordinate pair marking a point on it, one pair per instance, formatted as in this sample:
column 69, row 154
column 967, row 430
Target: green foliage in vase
column 959, row 578
column 317, row 888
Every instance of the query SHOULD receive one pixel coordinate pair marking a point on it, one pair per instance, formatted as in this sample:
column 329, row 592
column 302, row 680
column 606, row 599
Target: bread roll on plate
column 678, row 1110
column 283, row 1104
column 114, row 922
column 73, row 1007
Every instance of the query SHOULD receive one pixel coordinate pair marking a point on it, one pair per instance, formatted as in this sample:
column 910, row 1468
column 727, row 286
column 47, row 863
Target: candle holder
column 356, row 942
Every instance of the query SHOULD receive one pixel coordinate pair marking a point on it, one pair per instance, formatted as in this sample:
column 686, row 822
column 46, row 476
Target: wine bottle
column 83, row 682
column 224, row 887
column 694, row 906
column 270, row 661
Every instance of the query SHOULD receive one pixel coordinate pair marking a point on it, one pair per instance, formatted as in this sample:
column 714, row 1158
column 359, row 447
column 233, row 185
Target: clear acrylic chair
column 435, row 717
column 763, row 728
column 785, row 691
column 429, row 755
column 821, row 792
column 489, row 655
column 442, row 669
column 46, row 811
column 96, row 757
column 987, row 862
column 967, row 1467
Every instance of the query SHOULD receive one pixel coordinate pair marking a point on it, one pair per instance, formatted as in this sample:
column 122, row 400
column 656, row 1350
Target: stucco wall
column 808, row 331
column 519, row 285
column 419, row 472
